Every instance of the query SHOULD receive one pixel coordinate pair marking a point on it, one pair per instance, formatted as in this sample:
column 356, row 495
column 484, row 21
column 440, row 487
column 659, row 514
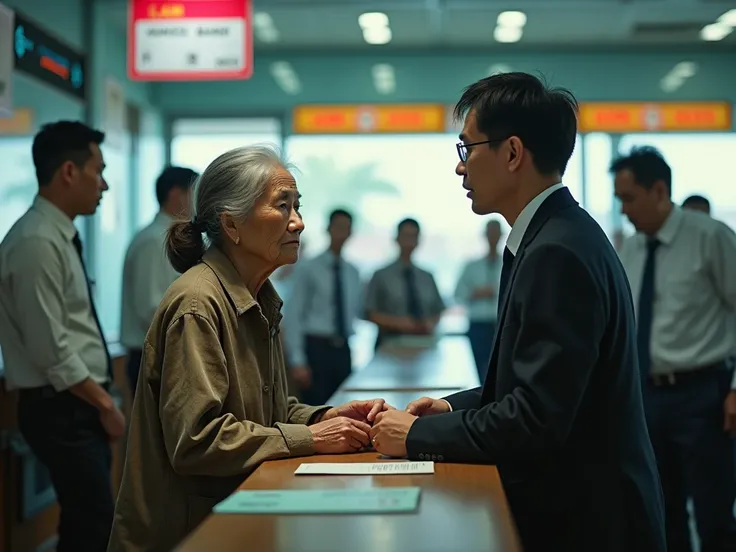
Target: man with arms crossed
column 54, row 351
column 563, row 419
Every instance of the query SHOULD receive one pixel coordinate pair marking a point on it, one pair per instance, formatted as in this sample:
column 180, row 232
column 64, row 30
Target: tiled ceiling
column 436, row 24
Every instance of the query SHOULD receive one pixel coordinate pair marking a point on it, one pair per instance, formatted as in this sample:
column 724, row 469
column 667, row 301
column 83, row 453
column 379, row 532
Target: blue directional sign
column 45, row 57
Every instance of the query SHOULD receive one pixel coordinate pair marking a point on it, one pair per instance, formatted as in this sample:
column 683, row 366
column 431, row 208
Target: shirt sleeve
column 463, row 290
column 152, row 274
column 200, row 437
column 372, row 301
column 38, row 275
column 438, row 304
column 721, row 256
column 295, row 310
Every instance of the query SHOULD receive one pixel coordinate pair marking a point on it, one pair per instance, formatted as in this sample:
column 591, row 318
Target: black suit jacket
column 563, row 420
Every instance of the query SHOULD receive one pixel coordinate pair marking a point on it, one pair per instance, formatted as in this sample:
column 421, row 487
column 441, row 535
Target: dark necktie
column 339, row 301
column 508, row 262
column 412, row 297
column 78, row 246
column 646, row 310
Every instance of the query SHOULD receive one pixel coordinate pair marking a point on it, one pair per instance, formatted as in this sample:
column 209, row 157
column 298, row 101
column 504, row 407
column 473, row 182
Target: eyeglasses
column 462, row 149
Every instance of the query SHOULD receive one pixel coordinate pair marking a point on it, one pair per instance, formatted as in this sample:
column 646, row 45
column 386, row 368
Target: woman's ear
column 229, row 227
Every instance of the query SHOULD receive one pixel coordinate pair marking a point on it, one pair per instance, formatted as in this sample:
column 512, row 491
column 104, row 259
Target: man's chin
column 480, row 209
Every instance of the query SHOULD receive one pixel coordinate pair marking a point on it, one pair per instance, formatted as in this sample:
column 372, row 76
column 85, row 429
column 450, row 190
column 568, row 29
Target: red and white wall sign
column 190, row 40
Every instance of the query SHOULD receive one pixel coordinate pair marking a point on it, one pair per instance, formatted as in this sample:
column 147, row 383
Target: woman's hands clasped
column 346, row 428
column 340, row 434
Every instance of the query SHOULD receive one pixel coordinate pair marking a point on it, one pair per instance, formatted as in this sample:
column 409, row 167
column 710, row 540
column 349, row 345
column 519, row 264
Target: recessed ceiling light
column 685, row 69
column 372, row 20
column 507, row 34
column 728, row 18
column 262, row 19
column 377, row 35
column 267, row 34
column 715, row 32
column 285, row 76
column 511, row 19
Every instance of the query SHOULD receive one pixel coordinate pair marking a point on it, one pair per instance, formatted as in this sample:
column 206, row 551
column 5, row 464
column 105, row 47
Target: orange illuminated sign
column 654, row 117
column 20, row 123
column 368, row 119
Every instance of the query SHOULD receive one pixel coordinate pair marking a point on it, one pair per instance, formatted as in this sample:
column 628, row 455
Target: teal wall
column 440, row 78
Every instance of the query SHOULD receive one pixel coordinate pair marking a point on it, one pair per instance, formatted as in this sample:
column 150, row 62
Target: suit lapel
column 559, row 200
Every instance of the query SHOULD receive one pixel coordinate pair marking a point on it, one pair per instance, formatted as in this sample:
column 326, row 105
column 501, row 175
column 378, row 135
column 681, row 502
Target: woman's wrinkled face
column 272, row 232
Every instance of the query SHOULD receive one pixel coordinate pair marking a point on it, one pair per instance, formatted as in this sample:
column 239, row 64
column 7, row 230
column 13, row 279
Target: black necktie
column 508, row 262
column 78, row 246
column 412, row 297
column 646, row 310
column 339, row 299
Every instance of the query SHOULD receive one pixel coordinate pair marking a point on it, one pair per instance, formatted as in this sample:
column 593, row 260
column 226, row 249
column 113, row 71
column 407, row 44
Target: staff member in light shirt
column 319, row 315
column 147, row 272
column 682, row 269
column 478, row 289
column 54, row 350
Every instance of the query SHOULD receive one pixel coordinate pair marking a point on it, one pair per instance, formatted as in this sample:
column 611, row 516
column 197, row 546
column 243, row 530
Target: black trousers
column 695, row 458
column 331, row 364
column 66, row 435
column 133, row 369
column 481, row 334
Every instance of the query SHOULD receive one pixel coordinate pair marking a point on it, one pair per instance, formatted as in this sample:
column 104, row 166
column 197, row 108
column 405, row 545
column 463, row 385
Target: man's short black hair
column 697, row 200
column 647, row 165
column 173, row 177
column 521, row 105
column 408, row 222
column 340, row 213
column 57, row 143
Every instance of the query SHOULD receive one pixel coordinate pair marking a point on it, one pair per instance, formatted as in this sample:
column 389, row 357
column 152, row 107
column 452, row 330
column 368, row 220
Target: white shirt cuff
column 450, row 406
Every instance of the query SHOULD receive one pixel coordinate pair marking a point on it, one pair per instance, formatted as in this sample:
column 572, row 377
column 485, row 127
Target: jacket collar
column 270, row 302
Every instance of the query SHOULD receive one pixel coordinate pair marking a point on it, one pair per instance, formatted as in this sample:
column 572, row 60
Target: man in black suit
column 563, row 420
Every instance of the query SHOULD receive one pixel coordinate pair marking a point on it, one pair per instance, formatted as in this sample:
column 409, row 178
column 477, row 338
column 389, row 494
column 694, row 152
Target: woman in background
column 211, row 402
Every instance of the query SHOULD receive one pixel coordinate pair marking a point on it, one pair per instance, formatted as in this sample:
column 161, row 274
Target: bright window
column 197, row 142
column 701, row 164
column 598, row 183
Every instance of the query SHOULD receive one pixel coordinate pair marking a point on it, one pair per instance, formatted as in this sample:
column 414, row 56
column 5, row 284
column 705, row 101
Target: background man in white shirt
column 681, row 265
column 478, row 289
column 51, row 338
column 324, row 303
column 147, row 272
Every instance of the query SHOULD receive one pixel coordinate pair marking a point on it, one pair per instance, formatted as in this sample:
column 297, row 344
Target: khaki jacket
column 210, row 406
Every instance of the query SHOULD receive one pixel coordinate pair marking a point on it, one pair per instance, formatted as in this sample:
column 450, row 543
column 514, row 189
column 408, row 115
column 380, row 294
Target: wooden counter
column 461, row 508
column 445, row 363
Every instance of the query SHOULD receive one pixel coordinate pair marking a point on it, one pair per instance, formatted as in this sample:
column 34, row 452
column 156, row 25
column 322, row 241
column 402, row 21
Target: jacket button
column 434, row 457
column 421, row 456
column 440, row 458
column 266, row 388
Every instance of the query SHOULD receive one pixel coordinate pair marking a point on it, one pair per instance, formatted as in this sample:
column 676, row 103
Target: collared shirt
column 483, row 272
column 310, row 309
column 694, row 290
column 387, row 293
column 147, row 274
column 48, row 333
column 525, row 218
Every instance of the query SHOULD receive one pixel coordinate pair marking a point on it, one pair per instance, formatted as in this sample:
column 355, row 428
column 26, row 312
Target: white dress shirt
column 525, row 218
column 310, row 309
column 48, row 333
column 147, row 274
column 694, row 290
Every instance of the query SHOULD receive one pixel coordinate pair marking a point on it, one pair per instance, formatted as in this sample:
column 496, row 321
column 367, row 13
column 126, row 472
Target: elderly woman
column 211, row 402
